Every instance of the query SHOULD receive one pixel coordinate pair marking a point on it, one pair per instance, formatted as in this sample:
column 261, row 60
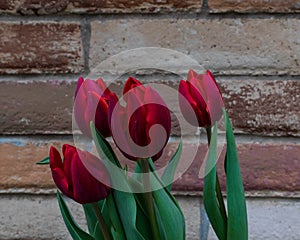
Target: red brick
column 263, row 107
column 36, row 107
column 39, row 7
column 230, row 46
column 264, row 166
column 40, row 47
column 255, row 106
column 279, row 6
column 273, row 167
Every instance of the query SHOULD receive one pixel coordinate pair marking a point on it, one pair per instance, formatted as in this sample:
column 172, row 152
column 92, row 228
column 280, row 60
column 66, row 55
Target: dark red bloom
column 202, row 97
column 91, row 104
column 73, row 179
column 142, row 128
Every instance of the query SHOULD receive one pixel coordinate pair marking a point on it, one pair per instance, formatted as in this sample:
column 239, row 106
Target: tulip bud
column 144, row 109
column 204, row 97
column 73, row 179
column 91, row 104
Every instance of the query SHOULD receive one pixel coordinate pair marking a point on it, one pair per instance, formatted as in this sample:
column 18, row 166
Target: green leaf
column 115, row 221
column 92, row 221
column 45, row 161
column 103, row 147
column 98, row 232
column 127, row 209
column 209, row 192
column 142, row 220
column 90, row 216
column 167, row 209
column 124, row 200
column 236, row 204
column 170, row 170
column 76, row 232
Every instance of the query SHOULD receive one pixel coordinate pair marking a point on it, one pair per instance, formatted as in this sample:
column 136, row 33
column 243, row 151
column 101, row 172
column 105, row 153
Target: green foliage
column 236, row 205
column 170, row 170
column 45, row 161
column 76, row 232
column 124, row 201
column 209, row 192
column 233, row 225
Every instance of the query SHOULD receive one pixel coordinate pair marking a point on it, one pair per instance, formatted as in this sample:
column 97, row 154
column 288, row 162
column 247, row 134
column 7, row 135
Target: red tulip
column 91, row 104
column 203, row 97
column 73, row 179
column 134, row 131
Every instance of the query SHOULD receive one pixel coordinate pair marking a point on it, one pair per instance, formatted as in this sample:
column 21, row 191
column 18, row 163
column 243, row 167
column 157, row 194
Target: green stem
column 220, row 201
column 102, row 223
column 149, row 199
column 218, row 187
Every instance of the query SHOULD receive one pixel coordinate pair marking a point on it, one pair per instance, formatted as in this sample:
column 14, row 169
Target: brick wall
column 253, row 47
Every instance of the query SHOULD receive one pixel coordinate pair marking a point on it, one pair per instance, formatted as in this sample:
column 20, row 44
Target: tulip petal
column 137, row 120
column 79, row 84
column 157, row 113
column 87, row 189
column 97, row 112
column 130, row 84
column 192, row 112
column 58, row 174
column 91, row 102
column 68, row 152
column 209, row 90
column 205, row 117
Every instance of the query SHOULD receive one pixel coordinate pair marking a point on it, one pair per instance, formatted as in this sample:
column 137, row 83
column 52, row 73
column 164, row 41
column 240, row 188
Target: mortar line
column 240, row 139
column 27, row 78
column 191, row 14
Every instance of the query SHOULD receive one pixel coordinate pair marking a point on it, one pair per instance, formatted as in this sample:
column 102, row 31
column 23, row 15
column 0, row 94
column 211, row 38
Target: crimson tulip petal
column 72, row 177
column 137, row 121
column 215, row 102
column 191, row 112
column 68, row 152
column 204, row 116
column 55, row 159
column 57, row 172
column 144, row 108
column 130, row 84
column 79, row 84
column 205, row 97
column 91, row 104
column 157, row 113
column 101, row 117
column 86, row 188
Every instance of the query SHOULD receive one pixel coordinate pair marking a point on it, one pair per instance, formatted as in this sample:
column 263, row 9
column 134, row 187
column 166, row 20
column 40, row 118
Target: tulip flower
column 73, row 179
column 202, row 98
column 91, row 104
column 141, row 128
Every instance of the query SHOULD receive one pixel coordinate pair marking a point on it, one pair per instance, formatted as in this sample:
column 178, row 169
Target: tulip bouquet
column 120, row 205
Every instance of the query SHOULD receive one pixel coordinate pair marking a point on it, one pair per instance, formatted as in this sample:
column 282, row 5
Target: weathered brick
column 279, row 6
column 39, row 7
column 264, row 166
column 227, row 46
column 40, row 47
column 255, row 106
column 36, row 107
column 263, row 107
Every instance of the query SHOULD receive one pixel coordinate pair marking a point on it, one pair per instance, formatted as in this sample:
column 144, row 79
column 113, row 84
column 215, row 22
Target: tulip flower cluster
column 112, row 213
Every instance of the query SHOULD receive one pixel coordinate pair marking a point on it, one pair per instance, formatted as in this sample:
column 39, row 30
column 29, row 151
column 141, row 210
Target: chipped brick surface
column 36, row 107
column 227, row 46
column 246, row 6
column 37, row 7
column 255, row 106
column 40, row 47
column 268, row 166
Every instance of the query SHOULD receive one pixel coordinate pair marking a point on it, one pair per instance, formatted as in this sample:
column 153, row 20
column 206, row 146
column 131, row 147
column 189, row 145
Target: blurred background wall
column 252, row 47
